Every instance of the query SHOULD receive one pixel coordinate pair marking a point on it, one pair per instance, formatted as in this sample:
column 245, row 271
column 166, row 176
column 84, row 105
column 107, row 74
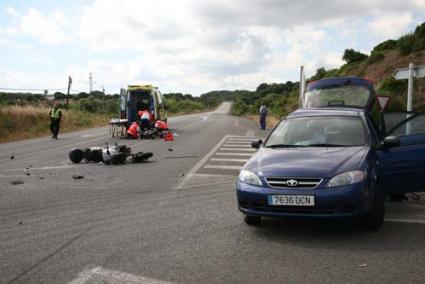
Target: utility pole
column 67, row 94
column 104, row 94
column 90, row 83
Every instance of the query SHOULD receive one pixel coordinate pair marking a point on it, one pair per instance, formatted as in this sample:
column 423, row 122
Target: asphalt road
column 175, row 218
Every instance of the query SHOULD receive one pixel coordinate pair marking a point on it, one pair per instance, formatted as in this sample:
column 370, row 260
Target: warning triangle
column 169, row 136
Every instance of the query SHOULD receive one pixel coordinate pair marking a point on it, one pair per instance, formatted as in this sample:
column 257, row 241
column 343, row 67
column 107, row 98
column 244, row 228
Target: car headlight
column 346, row 178
column 249, row 178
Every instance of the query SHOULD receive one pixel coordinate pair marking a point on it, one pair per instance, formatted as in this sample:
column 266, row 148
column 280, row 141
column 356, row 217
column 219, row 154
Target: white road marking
column 233, row 154
column 201, row 162
column 242, row 139
column 91, row 135
column 219, row 167
column 400, row 220
column 102, row 275
column 229, row 160
column 237, row 145
column 238, row 149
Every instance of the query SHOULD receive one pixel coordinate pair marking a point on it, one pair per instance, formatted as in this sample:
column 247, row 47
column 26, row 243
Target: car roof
column 340, row 111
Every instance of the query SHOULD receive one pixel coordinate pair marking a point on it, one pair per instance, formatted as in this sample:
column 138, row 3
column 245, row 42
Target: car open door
column 123, row 103
column 402, row 164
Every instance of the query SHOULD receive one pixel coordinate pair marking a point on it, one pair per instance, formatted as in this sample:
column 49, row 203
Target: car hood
column 306, row 162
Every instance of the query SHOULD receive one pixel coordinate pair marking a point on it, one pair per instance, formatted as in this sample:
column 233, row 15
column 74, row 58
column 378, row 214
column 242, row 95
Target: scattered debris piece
column 77, row 176
column 170, row 149
column 20, row 223
column 12, row 157
column 181, row 175
column 16, row 182
column 362, row 265
column 41, row 177
column 28, row 174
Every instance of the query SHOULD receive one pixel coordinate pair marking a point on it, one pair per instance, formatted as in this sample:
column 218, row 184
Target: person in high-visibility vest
column 55, row 115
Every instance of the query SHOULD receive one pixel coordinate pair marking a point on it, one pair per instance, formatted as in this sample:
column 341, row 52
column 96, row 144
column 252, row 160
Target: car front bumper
column 345, row 201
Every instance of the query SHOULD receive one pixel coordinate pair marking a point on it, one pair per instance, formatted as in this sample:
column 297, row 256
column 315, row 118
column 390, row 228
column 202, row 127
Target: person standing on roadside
column 55, row 115
column 263, row 114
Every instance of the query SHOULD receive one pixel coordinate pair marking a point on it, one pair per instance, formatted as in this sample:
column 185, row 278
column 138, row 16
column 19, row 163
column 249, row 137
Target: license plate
column 291, row 200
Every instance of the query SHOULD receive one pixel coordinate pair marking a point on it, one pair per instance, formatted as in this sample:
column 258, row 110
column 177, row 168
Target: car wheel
column 375, row 217
column 252, row 220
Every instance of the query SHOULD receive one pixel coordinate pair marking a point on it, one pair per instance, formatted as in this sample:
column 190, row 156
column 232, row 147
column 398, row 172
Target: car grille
column 289, row 182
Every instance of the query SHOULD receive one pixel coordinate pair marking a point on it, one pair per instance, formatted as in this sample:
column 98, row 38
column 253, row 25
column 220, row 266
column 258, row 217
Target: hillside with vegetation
column 378, row 67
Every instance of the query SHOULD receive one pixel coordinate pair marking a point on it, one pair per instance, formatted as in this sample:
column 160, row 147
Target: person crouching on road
column 55, row 115
column 146, row 119
column 263, row 115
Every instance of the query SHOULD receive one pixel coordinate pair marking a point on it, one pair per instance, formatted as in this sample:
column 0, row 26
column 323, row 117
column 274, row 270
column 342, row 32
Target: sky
column 187, row 46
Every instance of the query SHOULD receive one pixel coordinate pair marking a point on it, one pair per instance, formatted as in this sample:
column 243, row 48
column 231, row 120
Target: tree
column 350, row 56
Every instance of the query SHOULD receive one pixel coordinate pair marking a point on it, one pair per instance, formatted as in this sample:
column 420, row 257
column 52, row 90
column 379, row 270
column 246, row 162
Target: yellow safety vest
column 55, row 113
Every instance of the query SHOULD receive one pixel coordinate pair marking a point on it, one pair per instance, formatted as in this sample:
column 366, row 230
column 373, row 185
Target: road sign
column 403, row 73
column 382, row 102
column 409, row 73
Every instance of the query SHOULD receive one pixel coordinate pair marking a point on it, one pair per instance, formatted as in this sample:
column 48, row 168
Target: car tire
column 252, row 220
column 375, row 218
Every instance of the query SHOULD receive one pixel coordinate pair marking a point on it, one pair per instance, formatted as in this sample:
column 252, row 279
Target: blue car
column 330, row 158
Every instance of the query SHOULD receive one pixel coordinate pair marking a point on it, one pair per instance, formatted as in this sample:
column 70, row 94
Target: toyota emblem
column 292, row 182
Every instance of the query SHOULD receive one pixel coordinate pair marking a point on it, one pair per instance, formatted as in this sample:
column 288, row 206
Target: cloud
column 195, row 46
column 391, row 25
column 48, row 28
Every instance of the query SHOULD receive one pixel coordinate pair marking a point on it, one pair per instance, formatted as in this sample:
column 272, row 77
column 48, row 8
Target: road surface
column 174, row 219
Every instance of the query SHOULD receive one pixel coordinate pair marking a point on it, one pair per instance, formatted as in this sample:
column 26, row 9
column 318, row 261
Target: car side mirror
column 391, row 141
column 256, row 144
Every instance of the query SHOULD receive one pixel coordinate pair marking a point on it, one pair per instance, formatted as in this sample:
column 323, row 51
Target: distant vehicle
column 132, row 100
column 331, row 159
column 140, row 97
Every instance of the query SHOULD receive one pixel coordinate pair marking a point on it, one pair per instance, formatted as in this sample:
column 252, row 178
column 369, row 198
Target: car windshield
column 328, row 131
column 350, row 95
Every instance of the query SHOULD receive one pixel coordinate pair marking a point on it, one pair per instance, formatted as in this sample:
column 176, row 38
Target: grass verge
column 21, row 122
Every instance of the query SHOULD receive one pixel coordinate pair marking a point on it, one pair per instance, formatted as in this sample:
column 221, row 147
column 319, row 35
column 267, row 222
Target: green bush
column 385, row 45
column 350, row 56
column 392, row 87
column 405, row 44
column 91, row 104
column 375, row 56
column 419, row 44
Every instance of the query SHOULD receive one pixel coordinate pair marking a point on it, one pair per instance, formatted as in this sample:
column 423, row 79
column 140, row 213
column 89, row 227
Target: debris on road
column 181, row 175
column 16, row 182
column 362, row 265
column 77, row 176
column 110, row 155
column 12, row 157
column 28, row 174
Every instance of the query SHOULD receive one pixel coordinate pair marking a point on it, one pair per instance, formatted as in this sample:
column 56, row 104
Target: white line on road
column 237, row 145
column 229, row 160
column 242, row 139
column 219, row 167
column 201, row 162
column 102, row 275
column 91, row 135
column 238, row 149
column 233, row 154
column 399, row 220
